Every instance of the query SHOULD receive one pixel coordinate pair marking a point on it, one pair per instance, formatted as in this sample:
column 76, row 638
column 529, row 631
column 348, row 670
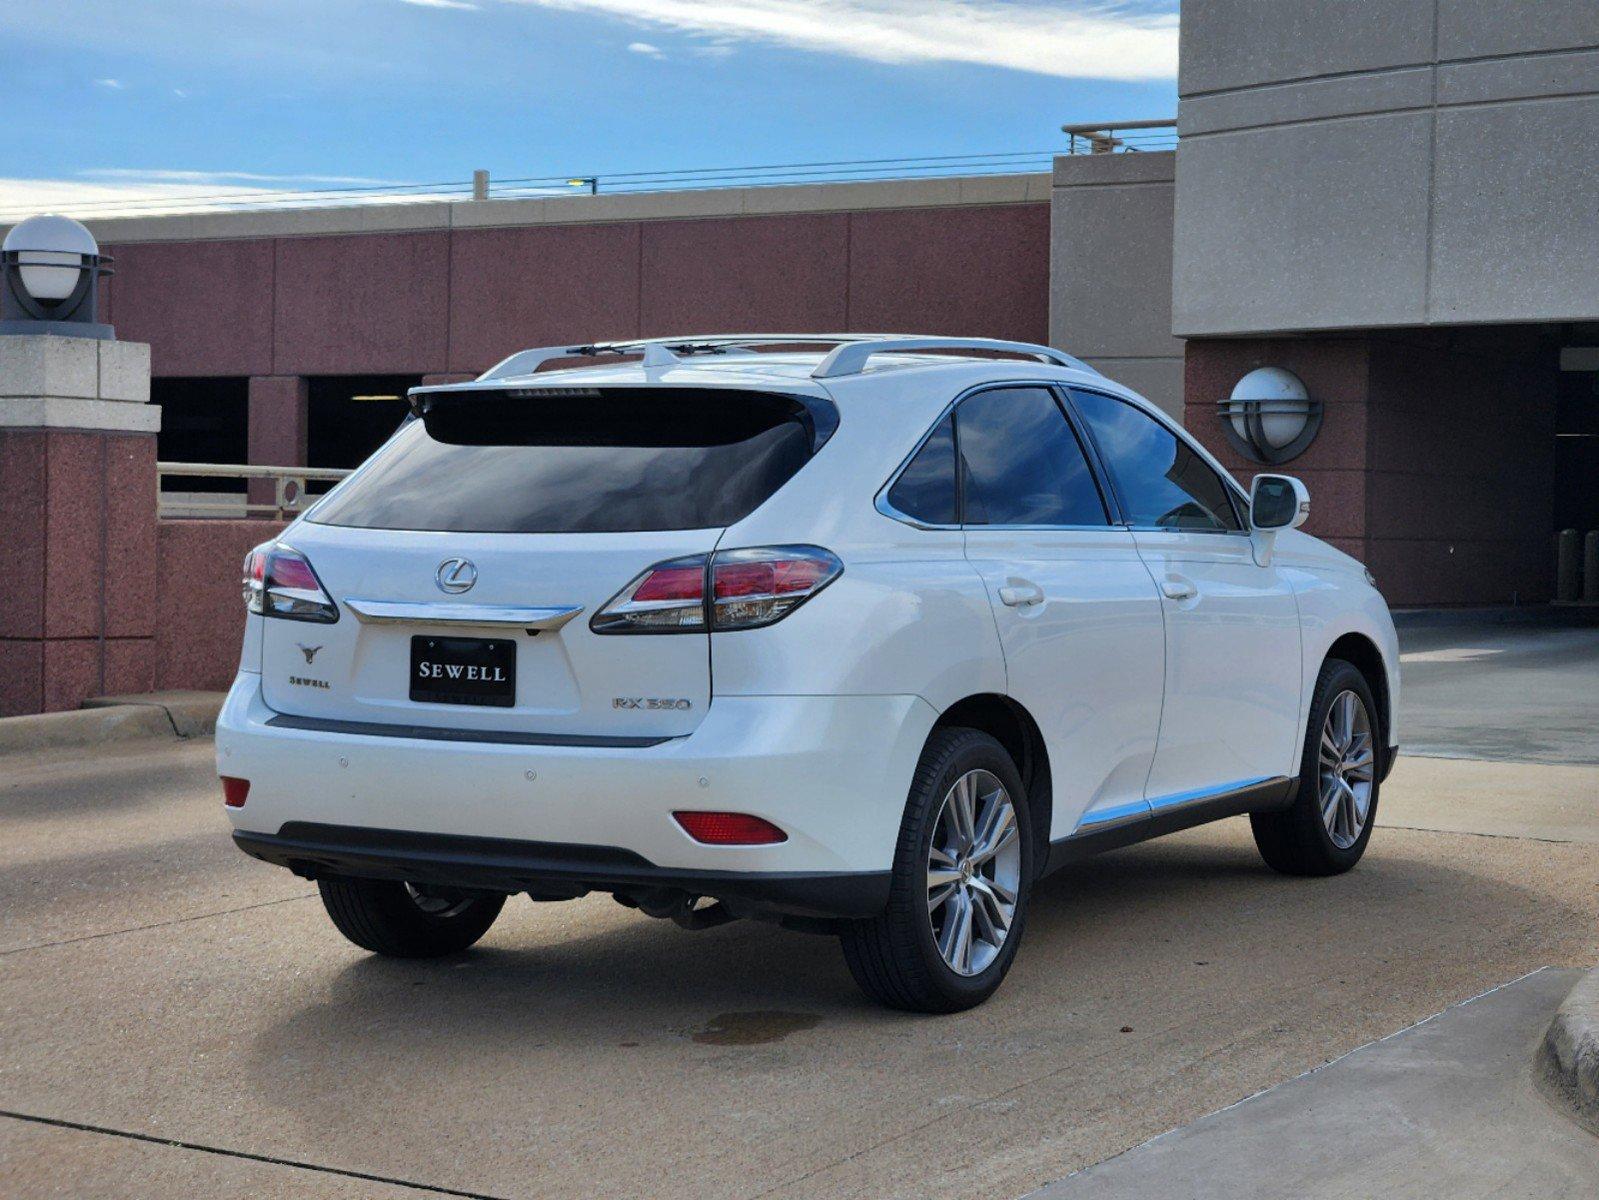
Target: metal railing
column 291, row 490
column 1123, row 137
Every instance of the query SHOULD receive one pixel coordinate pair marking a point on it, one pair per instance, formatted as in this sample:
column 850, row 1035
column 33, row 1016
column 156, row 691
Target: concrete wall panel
column 1110, row 264
column 204, row 307
column 1303, row 226
column 960, row 271
column 745, row 273
column 515, row 288
column 1156, row 379
column 1477, row 28
column 1307, row 100
column 1241, row 43
column 361, row 305
column 1516, row 231
column 1412, row 179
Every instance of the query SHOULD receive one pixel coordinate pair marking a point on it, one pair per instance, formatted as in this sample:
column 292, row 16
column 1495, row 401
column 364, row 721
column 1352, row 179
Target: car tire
column 910, row 957
column 399, row 920
column 1327, row 827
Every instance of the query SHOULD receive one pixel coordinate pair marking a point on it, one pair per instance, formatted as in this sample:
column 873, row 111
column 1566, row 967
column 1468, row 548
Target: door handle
column 1178, row 589
column 1021, row 595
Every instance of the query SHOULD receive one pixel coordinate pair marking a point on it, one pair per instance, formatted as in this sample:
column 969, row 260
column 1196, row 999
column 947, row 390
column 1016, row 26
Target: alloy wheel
column 436, row 906
column 974, row 866
column 1347, row 769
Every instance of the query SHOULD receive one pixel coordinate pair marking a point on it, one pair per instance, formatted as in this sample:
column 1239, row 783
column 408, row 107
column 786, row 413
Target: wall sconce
column 1270, row 417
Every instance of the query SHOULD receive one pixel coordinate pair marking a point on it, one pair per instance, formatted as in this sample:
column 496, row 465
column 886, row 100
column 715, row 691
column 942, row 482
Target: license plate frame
column 480, row 672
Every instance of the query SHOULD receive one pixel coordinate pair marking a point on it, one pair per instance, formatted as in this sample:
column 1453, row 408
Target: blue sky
column 123, row 97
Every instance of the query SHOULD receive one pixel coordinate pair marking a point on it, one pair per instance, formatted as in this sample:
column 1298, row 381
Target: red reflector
column 234, row 791
column 672, row 583
column 729, row 829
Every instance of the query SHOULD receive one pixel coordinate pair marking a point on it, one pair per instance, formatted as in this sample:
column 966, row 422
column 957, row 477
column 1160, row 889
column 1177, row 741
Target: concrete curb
column 192, row 714
column 114, row 719
column 1568, row 1061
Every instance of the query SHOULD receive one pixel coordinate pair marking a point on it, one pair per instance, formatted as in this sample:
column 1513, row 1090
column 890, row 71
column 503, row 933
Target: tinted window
column 1021, row 462
column 602, row 462
column 1162, row 481
column 925, row 489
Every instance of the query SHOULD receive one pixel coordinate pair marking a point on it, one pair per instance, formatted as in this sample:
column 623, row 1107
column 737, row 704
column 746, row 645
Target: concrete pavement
column 156, row 983
column 1445, row 1108
column 1513, row 691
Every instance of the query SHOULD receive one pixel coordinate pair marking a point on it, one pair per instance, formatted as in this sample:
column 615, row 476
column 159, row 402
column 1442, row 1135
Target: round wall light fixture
column 50, row 269
column 1270, row 417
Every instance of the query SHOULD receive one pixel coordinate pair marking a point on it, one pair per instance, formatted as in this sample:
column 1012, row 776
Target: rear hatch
column 467, row 558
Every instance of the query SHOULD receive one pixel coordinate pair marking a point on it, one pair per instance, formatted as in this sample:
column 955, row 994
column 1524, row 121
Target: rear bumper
column 831, row 771
column 503, row 865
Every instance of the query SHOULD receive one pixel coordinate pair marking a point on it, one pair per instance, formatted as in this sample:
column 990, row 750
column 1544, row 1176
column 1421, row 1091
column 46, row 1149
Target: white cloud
column 646, row 49
column 114, row 84
column 162, row 175
column 157, row 193
column 441, row 4
column 1074, row 39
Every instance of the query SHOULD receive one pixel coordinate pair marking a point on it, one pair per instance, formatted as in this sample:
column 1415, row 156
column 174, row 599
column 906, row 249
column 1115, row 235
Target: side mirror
column 1277, row 502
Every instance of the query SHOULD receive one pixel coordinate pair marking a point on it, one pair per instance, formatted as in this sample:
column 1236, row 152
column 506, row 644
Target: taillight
column 235, row 791
column 667, row 598
column 279, row 582
column 729, row 829
column 748, row 589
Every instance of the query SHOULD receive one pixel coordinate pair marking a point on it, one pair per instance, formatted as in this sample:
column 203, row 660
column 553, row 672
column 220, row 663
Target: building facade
column 1398, row 200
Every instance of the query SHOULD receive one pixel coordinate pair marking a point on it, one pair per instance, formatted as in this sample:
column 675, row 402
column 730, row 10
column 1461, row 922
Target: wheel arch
column 1013, row 727
column 1362, row 653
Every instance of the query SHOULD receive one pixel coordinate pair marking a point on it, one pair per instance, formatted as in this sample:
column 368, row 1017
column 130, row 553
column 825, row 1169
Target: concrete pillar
column 280, row 407
column 77, row 521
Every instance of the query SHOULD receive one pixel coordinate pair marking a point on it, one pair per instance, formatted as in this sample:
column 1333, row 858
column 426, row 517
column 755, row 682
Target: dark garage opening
column 202, row 421
column 352, row 415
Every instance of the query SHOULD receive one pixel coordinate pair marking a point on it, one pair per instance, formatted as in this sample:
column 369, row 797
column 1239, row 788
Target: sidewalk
column 1444, row 1108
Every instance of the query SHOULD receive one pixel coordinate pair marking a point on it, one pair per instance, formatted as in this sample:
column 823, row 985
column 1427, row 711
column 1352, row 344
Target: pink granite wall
column 77, row 567
column 200, row 600
column 427, row 303
column 1435, row 459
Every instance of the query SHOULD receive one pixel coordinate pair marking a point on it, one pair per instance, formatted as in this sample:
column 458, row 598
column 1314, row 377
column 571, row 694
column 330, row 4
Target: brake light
column 280, row 582
column 729, row 829
column 748, row 589
column 667, row 598
column 235, row 791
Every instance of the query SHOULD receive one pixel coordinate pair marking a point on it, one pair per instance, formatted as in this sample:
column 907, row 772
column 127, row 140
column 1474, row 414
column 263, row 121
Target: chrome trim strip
column 384, row 612
column 437, row 733
column 1148, row 808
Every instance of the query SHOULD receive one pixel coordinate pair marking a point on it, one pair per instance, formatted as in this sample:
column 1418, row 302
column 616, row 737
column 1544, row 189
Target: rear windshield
column 600, row 462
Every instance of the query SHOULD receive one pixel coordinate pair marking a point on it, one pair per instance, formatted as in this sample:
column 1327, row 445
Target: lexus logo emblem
column 456, row 575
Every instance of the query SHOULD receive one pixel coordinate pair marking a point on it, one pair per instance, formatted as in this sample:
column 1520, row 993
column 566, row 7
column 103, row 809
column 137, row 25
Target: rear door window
column 614, row 461
column 1021, row 463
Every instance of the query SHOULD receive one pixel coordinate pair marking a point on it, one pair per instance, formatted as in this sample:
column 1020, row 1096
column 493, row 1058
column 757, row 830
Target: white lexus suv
column 856, row 634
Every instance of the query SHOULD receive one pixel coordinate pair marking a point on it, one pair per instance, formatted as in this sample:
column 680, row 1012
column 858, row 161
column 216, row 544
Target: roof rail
column 848, row 357
column 665, row 351
column 851, row 357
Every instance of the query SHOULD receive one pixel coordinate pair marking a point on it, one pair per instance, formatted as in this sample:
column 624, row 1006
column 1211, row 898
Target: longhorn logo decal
column 308, row 651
